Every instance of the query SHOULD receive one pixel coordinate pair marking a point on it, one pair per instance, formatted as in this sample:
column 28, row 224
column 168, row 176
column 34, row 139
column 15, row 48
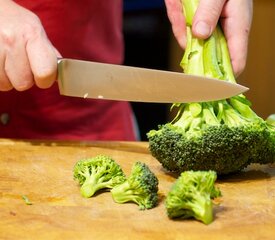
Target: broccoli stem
column 225, row 61
column 208, row 57
column 243, row 107
column 92, row 183
column 209, row 115
column 124, row 193
column 200, row 207
column 204, row 210
column 89, row 187
column 189, row 9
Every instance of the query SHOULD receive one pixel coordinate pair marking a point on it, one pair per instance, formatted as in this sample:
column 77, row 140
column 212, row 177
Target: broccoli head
column 224, row 135
column 191, row 196
column 141, row 187
column 226, row 142
column 99, row 172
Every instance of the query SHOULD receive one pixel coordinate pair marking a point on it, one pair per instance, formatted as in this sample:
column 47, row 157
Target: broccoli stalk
column 141, row 187
column 191, row 194
column 224, row 136
column 271, row 120
column 99, row 172
column 197, row 205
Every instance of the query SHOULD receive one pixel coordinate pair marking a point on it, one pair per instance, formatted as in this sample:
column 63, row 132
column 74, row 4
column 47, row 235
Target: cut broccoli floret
column 225, row 135
column 99, row 172
column 191, row 194
column 141, row 187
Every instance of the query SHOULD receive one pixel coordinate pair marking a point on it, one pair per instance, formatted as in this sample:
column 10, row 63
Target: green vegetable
column 224, row 136
column 27, row 200
column 191, row 194
column 99, row 172
column 141, row 188
column 271, row 119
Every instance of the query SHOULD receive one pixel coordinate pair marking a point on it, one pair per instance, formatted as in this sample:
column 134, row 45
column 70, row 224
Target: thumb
column 206, row 17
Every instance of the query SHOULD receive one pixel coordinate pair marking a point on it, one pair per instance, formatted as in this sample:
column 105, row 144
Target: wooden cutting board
column 43, row 172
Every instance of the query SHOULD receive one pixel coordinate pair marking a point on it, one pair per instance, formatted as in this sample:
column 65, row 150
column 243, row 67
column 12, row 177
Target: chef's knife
column 117, row 82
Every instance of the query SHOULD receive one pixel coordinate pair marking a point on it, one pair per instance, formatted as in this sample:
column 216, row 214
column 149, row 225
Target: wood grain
column 43, row 172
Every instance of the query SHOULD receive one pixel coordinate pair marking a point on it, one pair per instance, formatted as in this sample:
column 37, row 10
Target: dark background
column 146, row 34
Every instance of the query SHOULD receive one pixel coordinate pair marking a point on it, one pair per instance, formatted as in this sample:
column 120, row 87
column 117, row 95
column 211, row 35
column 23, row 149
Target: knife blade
column 79, row 78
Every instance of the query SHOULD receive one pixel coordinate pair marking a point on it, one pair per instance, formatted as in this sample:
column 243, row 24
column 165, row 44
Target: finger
column 5, row 84
column 43, row 61
column 237, row 46
column 17, row 67
column 236, row 23
column 57, row 53
column 176, row 17
column 206, row 17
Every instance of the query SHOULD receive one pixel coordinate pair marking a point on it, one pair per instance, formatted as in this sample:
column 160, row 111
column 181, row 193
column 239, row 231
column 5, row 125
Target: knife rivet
column 4, row 118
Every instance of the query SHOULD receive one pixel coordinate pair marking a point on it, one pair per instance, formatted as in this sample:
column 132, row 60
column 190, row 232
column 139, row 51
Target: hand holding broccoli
column 224, row 136
column 236, row 18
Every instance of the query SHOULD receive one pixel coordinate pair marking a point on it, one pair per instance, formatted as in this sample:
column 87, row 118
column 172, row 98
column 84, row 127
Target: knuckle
column 8, row 37
column 32, row 30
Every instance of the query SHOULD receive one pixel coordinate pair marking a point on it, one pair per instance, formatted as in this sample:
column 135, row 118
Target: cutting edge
column 67, row 90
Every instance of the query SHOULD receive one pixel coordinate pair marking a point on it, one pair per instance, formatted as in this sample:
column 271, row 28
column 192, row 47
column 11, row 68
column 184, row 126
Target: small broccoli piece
column 225, row 135
column 27, row 200
column 141, row 187
column 99, row 172
column 191, row 194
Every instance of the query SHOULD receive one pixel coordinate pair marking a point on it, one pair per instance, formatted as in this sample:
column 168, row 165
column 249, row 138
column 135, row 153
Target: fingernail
column 203, row 29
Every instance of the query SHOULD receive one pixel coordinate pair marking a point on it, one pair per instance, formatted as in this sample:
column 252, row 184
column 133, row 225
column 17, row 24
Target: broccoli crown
column 141, row 187
column 226, row 142
column 97, row 173
column 225, row 135
column 191, row 194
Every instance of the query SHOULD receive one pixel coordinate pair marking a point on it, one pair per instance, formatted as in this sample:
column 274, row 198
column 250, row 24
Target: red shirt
column 88, row 30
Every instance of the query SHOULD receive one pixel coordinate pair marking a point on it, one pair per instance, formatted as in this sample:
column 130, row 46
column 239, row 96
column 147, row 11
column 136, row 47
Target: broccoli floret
column 225, row 135
column 141, row 187
column 191, row 194
column 99, row 172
